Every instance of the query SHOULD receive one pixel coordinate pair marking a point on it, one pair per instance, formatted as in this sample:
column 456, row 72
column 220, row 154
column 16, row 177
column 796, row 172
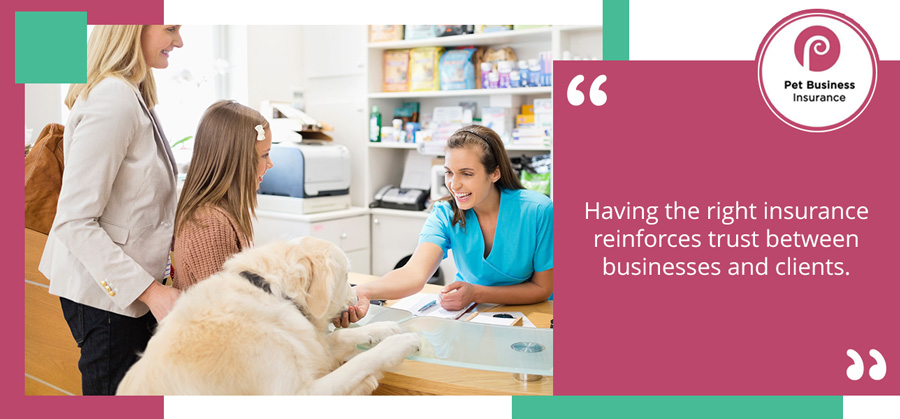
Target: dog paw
column 404, row 344
column 366, row 386
column 379, row 331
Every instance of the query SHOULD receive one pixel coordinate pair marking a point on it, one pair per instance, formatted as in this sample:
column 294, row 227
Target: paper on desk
column 415, row 302
column 489, row 318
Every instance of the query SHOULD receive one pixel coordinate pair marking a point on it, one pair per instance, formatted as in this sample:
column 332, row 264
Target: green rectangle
column 51, row 47
column 674, row 407
column 615, row 30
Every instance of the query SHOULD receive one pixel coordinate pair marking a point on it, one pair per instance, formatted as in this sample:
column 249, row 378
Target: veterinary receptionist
column 501, row 234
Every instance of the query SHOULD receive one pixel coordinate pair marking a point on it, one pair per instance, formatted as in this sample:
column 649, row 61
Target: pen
column 427, row 306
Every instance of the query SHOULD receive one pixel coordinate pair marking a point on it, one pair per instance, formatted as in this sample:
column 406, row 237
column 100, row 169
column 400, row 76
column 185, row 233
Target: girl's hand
column 458, row 295
column 160, row 299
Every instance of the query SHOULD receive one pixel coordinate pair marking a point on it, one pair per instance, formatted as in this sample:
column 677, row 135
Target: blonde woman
column 107, row 251
column 218, row 200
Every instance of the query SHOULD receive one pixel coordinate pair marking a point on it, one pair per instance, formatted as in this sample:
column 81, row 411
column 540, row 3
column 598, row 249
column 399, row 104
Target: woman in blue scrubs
column 501, row 234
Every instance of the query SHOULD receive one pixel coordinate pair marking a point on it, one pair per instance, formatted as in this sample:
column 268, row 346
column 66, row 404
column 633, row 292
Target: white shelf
column 400, row 213
column 389, row 144
column 518, row 147
column 546, row 90
column 505, row 37
column 579, row 28
column 316, row 217
column 412, row 146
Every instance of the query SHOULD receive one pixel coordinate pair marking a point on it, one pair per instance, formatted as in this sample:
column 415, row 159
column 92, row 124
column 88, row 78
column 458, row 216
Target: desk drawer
column 350, row 233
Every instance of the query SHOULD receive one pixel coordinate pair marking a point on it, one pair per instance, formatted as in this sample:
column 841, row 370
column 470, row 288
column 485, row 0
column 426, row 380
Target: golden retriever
column 260, row 327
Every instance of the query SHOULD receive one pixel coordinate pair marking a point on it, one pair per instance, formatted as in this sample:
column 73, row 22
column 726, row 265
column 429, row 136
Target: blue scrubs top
column 523, row 240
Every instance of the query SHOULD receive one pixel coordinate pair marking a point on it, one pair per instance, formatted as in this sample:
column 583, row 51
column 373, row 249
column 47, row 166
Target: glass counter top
column 513, row 349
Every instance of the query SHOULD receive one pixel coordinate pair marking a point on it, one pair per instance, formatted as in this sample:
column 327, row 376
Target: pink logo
column 817, row 48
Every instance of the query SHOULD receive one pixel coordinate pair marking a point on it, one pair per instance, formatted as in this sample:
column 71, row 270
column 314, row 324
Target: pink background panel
column 698, row 133
column 12, row 384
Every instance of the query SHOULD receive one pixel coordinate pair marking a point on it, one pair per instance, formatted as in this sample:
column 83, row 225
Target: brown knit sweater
column 204, row 244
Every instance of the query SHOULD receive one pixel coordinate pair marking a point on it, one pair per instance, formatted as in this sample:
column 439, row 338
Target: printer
column 307, row 178
column 413, row 191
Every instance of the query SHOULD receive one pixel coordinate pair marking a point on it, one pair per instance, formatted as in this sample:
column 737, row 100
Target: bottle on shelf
column 504, row 68
column 375, row 125
column 514, row 79
column 485, row 74
column 523, row 73
column 534, row 73
column 493, row 80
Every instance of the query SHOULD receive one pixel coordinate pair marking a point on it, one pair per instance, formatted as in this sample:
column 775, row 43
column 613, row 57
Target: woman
column 218, row 199
column 501, row 234
column 107, row 251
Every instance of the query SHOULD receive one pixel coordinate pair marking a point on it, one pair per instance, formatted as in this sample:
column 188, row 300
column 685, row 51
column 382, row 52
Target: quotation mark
column 576, row 98
column 876, row 372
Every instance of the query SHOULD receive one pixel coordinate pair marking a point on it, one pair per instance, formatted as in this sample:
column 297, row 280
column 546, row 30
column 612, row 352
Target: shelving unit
column 385, row 161
column 384, row 164
column 523, row 91
column 408, row 146
column 493, row 38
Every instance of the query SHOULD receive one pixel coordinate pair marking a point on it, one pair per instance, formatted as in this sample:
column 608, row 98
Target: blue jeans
column 109, row 344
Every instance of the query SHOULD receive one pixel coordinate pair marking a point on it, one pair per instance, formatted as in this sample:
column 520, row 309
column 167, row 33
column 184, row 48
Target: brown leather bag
column 43, row 178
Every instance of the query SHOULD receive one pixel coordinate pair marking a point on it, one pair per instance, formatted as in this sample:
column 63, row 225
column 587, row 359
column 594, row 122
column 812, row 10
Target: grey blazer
column 114, row 221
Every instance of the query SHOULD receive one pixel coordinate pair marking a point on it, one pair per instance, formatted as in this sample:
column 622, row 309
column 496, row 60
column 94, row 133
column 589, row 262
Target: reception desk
column 421, row 378
column 51, row 356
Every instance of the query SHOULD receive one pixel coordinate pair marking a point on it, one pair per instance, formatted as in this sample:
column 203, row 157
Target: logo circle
column 817, row 70
column 817, row 48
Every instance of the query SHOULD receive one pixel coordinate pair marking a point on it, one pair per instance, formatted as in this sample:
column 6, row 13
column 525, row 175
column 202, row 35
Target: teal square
column 51, row 47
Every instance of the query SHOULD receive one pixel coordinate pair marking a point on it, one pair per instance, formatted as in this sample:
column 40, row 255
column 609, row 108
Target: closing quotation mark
column 576, row 98
column 856, row 370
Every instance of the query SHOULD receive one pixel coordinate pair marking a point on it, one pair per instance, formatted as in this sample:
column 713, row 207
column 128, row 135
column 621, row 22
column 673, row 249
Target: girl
column 213, row 221
column 501, row 234
column 106, row 253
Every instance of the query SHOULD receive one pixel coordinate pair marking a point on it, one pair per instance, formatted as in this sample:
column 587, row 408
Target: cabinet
column 395, row 233
column 349, row 229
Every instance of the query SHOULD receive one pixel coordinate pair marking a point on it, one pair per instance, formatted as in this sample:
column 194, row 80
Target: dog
column 261, row 327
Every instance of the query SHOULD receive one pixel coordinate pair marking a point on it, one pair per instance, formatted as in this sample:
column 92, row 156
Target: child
column 213, row 219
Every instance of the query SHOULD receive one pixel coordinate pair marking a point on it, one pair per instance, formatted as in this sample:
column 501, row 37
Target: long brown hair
column 493, row 156
column 223, row 167
column 115, row 51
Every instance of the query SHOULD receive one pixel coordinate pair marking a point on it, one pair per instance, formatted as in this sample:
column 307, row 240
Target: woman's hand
column 160, row 299
column 354, row 313
column 458, row 295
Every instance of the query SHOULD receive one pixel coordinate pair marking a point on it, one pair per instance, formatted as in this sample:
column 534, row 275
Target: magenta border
column 873, row 54
column 12, row 166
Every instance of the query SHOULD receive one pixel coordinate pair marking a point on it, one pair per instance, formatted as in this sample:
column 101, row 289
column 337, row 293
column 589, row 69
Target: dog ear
column 320, row 284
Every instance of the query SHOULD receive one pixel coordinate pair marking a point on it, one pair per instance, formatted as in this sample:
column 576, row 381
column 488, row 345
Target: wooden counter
column 422, row 378
column 51, row 355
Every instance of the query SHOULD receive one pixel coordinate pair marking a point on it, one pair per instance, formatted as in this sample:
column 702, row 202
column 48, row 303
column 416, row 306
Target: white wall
column 334, row 62
column 43, row 105
column 326, row 63
column 274, row 65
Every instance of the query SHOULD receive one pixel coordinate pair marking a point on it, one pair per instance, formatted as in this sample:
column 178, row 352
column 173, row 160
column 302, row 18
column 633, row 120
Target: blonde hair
column 493, row 155
column 223, row 167
column 115, row 51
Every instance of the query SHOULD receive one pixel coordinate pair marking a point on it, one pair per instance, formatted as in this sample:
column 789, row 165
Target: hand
column 354, row 313
column 458, row 295
column 160, row 299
